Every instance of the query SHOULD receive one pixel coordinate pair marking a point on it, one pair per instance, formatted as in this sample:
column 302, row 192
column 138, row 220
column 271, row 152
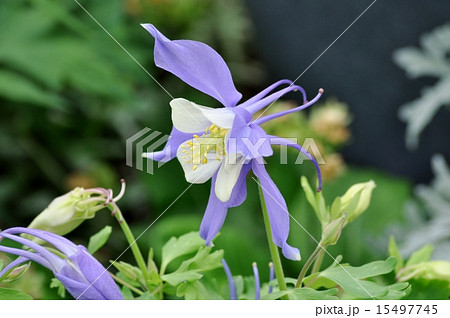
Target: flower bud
column 439, row 270
column 16, row 273
column 356, row 200
column 332, row 231
column 65, row 213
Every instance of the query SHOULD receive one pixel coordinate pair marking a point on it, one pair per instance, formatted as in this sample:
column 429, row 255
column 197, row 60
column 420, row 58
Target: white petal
column 203, row 171
column 189, row 117
column 222, row 117
column 227, row 178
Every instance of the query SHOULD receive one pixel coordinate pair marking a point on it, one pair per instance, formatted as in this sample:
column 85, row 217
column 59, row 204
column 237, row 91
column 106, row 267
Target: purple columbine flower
column 223, row 144
column 80, row 273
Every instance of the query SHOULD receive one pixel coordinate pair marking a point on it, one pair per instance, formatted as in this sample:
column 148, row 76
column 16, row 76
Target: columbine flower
column 80, row 273
column 223, row 144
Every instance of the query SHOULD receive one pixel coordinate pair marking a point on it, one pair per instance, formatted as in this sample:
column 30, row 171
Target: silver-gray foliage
column 428, row 217
column 429, row 60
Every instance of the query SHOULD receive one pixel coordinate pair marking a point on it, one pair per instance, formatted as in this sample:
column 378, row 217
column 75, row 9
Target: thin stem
column 124, row 283
column 318, row 261
column 133, row 245
column 273, row 248
column 307, row 265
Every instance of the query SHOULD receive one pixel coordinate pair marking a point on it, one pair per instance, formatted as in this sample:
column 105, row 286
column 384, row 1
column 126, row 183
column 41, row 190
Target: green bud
column 439, row 270
column 356, row 200
column 15, row 273
column 332, row 231
column 65, row 213
column 130, row 273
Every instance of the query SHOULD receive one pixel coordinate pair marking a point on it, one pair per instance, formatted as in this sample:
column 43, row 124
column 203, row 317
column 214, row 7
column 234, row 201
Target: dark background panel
column 358, row 69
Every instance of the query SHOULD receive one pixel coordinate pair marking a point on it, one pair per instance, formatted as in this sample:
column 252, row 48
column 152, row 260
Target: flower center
column 198, row 150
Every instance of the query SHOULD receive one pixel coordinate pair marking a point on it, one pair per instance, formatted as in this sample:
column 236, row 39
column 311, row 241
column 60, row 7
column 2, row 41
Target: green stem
column 133, row 246
column 318, row 261
column 273, row 248
column 307, row 265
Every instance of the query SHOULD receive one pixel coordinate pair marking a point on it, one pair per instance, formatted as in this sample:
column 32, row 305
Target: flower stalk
column 115, row 211
column 273, row 248
column 308, row 263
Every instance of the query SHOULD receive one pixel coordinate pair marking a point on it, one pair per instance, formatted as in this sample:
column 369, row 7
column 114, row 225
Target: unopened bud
column 332, row 231
column 433, row 270
column 357, row 199
column 15, row 273
column 65, row 213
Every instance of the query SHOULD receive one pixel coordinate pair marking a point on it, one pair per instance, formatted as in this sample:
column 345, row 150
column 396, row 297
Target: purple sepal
column 216, row 211
column 277, row 210
column 197, row 64
column 169, row 152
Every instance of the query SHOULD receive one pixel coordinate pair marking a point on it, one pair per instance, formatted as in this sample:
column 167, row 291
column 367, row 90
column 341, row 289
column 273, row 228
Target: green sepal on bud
column 332, row 231
column 65, row 213
column 356, row 200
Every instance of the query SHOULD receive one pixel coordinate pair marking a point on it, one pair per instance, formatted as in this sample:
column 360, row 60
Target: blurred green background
column 70, row 97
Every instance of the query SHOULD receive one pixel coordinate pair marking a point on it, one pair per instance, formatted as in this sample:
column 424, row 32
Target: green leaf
column 178, row 277
column 146, row 296
column 1, row 264
column 99, row 239
column 193, row 291
column 13, row 294
column 275, row 295
column 397, row 291
column 19, row 89
column 176, row 247
column 393, row 251
column 190, row 269
column 61, row 290
column 351, row 280
column 127, row 294
column 368, row 270
column 304, row 293
column 421, row 256
column 311, row 294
